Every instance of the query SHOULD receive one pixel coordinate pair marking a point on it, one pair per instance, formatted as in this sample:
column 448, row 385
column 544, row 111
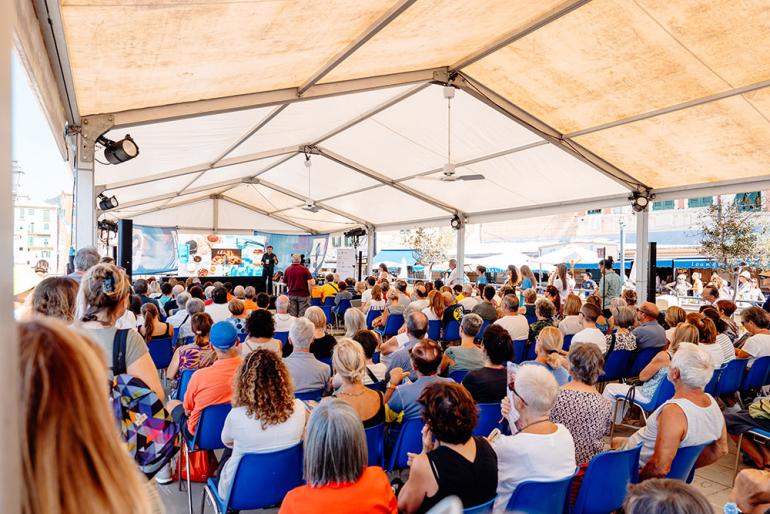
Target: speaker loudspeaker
column 125, row 245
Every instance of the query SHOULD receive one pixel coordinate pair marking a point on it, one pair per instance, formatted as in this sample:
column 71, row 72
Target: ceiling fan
column 449, row 169
column 310, row 205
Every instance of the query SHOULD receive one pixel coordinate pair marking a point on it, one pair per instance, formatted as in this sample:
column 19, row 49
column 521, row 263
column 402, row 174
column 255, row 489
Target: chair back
column 328, row 312
column 377, row 386
column 409, row 441
column 531, row 351
column 183, row 382
column 208, row 434
column 616, row 365
column 452, row 331
column 567, row 342
column 663, row 393
column 283, row 337
column 535, row 497
column 683, row 465
column 597, row 494
column 756, row 377
column 342, row 308
column 395, row 321
column 489, row 417
column 519, row 350
column 263, row 479
column 643, row 357
column 161, row 351
column 328, row 362
column 375, row 444
column 480, row 335
column 328, row 301
column 531, row 318
column 315, row 302
column 175, row 337
column 376, row 356
column 711, row 387
column 484, row 508
column 371, row 316
column 309, row 395
column 458, row 375
column 731, row 377
column 434, row 329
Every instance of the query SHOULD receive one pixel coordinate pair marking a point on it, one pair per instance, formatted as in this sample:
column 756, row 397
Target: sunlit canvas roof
column 559, row 105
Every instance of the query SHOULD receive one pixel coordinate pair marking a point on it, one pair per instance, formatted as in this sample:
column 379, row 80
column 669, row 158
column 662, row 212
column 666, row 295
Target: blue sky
column 46, row 174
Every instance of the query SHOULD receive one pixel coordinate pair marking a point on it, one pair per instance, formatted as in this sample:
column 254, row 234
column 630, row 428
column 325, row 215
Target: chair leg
column 614, row 413
column 203, row 499
column 737, row 457
column 189, row 485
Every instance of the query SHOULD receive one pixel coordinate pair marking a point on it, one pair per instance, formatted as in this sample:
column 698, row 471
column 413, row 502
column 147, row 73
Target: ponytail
column 151, row 315
column 201, row 326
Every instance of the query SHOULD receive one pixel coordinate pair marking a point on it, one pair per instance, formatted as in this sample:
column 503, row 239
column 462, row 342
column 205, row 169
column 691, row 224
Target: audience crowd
column 301, row 374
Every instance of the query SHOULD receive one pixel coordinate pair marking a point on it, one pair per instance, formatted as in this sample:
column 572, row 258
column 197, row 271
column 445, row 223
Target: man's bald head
column 417, row 324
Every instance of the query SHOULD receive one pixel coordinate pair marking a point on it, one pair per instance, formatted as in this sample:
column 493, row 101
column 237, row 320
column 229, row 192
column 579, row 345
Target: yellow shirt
column 459, row 297
column 329, row 289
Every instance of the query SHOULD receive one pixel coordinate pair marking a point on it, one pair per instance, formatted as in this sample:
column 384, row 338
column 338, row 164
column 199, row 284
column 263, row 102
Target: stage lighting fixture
column 640, row 201
column 356, row 232
column 456, row 223
column 107, row 203
column 119, row 151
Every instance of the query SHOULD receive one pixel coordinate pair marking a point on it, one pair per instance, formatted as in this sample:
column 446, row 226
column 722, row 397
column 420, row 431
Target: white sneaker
column 163, row 476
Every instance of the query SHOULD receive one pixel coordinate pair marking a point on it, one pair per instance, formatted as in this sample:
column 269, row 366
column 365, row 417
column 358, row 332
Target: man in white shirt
column 366, row 296
column 420, row 301
column 193, row 306
column 468, row 302
column 589, row 313
column 756, row 322
column 515, row 323
column 219, row 310
column 456, row 276
column 181, row 313
column 283, row 320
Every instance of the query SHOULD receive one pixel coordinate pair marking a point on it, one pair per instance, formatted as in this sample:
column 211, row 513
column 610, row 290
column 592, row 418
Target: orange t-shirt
column 371, row 494
column 249, row 305
column 209, row 386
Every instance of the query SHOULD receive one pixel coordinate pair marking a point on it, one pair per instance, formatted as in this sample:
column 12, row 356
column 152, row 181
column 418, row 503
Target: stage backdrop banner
column 154, row 250
column 312, row 247
column 202, row 255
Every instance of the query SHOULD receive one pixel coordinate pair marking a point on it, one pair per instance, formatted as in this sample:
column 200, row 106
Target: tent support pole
column 461, row 250
column 371, row 243
column 642, row 253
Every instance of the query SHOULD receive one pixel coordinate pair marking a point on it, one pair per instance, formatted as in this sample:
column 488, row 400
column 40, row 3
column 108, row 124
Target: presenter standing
column 269, row 260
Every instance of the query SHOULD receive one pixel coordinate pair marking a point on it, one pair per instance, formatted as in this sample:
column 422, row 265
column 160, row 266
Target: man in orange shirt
column 212, row 385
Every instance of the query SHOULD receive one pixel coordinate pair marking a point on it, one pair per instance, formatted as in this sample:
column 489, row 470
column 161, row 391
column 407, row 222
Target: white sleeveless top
column 704, row 425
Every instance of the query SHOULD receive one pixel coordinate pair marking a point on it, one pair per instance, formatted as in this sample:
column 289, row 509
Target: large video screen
column 202, row 255
column 154, row 250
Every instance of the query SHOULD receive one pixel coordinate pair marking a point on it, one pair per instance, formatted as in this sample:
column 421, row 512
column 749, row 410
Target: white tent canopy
column 562, row 105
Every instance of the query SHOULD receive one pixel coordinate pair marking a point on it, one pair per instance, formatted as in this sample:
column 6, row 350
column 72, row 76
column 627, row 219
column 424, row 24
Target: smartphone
column 493, row 435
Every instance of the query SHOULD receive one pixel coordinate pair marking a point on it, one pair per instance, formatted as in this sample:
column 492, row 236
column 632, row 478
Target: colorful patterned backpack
column 145, row 425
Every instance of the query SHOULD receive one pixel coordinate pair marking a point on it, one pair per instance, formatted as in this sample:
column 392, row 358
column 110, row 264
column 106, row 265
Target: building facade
column 36, row 235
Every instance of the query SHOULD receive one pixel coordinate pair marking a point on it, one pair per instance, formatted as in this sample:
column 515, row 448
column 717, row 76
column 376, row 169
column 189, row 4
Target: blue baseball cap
column 223, row 335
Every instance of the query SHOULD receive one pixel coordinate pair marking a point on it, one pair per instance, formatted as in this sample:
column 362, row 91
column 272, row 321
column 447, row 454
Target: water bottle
column 731, row 508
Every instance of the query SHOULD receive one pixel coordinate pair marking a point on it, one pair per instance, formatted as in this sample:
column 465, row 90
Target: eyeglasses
column 512, row 387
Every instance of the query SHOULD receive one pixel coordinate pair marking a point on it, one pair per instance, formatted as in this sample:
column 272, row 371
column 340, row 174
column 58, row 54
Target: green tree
column 430, row 244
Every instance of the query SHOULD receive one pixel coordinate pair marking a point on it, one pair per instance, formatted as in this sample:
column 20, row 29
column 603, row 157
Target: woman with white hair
column 354, row 322
column 349, row 364
column 541, row 450
column 692, row 417
column 336, row 475
column 323, row 343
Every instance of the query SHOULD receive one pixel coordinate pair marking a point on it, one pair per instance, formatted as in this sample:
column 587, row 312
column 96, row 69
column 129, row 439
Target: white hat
column 745, row 274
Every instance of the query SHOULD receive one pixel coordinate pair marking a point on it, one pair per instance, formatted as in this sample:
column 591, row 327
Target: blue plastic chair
column 643, row 357
column 328, row 312
column 663, row 393
column 377, row 386
column 756, row 377
column 342, row 308
column 531, row 318
column 480, row 335
column 315, row 302
column 489, row 418
column 207, row 436
column 409, row 441
column 371, row 316
column 531, row 351
column 434, row 329
column 452, row 331
column 597, row 494
column 175, row 338
column 394, row 323
column 567, row 342
column 161, row 351
column 458, row 375
column 683, row 465
column 376, row 357
column 375, row 444
column 519, row 351
column 616, row 365
column 756, row 433
column 283, row 337
column 309, row 395
column 328, row 362
column 731, row 378
column 484, row 508
column 711, row 387
column 261, row 480
column 183, row 382
column 535, row 497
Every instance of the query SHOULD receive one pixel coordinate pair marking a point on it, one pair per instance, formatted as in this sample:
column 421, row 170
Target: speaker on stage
column 125, row 245
column 652, row 271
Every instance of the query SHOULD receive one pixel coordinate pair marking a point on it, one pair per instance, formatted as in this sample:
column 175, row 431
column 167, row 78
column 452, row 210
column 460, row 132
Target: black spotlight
column 640, row 201
column 456, row 223
column 119, row 151
column 107, row 203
